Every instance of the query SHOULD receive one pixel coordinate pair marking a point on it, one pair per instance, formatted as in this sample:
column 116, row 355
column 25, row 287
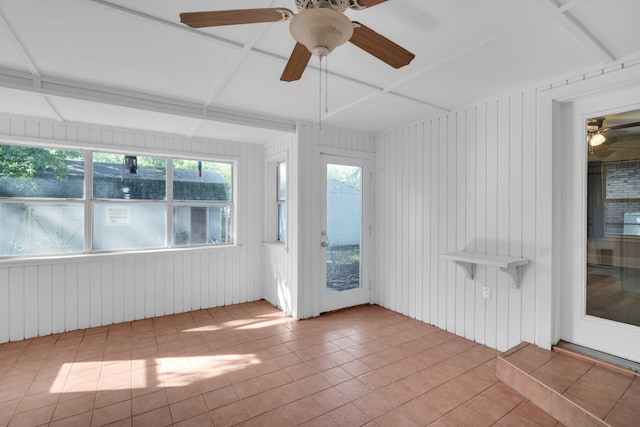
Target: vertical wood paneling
column 16, row 303
column 71, row 296
column 451, row 182
column 84, row 295
column 481, row 215
column 529, row 204
column 443, row 221
column 491, row 274
column 516, row 191
column 30, row 296
column 470, row 213
column 106, row 297
column 460, row 220
column 427, row 231
column 4, row 301
column 169, row 294
column 65, row 295
column 118, row 285
column 503, row 220
column 45, row 300
column 95, row 293
column 150, row 284
column 434, row 226
column 187, row 280
column 419, row 222
column 403, row 226
column 467, row 189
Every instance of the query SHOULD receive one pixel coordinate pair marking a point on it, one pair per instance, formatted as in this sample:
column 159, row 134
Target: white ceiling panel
column 374, row 114
column 615, row 24
column 466, row 51
column 526, row 58
column 11, row 55
column 24, row 103
column 170, row 11
column 111, row 115
column 88, row 42
column 237, row 133
column 256, row 87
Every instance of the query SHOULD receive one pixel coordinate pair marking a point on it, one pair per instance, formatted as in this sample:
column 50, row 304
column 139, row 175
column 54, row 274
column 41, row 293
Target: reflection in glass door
column 613, row 218
column 343, row 243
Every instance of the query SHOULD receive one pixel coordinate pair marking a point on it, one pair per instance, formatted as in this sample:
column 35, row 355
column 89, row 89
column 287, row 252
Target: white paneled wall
column 466, row 180
column 279, row 269
column 44, row 296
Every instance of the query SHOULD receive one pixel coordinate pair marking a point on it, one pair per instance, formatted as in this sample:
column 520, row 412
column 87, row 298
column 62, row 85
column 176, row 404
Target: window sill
column 80, row 257
column 276, row 245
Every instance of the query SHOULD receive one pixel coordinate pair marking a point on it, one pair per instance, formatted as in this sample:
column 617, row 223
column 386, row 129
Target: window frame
column 88, row 202
column 280, row 202
column 615, row 200
column 271, row 186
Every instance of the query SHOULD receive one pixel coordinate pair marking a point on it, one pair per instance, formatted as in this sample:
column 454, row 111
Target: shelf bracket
column 514, row 273
column 468, row 267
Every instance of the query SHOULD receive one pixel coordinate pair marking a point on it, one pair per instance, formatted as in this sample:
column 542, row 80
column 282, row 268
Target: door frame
column 319, row 219
column 576, row 326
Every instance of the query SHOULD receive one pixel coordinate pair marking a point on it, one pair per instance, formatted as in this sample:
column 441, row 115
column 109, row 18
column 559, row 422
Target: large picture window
column 41, row 201
column 127, row 202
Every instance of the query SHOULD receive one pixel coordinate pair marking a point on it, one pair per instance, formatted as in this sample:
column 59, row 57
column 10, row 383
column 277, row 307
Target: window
column 622, row 197
column 49, row 206
column 41, row 201
column 203, row 202
column 281, row 201
column 129, row 202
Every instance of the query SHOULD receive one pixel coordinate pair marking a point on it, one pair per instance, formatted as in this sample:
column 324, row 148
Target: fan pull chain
column 320, row 93
column 326, row 86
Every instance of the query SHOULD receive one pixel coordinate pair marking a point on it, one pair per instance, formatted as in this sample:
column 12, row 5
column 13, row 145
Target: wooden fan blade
column 623, row 126
column 234, row 17
column 380, row 47
column 369, row 3
column 297, row 63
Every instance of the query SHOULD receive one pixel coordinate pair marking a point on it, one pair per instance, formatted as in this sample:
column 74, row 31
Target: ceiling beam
column 230, row 71
column 561, row 14
column 64, row 88
column 29, row 63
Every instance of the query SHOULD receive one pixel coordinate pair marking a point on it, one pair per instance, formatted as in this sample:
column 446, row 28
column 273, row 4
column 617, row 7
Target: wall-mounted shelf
column 468, row 260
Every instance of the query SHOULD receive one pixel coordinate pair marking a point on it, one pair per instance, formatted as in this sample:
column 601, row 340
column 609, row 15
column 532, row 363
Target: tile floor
column 250, row 365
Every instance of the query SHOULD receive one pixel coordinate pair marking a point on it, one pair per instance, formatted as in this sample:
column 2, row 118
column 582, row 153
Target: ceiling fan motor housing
column 340, row 5
column 321, row 30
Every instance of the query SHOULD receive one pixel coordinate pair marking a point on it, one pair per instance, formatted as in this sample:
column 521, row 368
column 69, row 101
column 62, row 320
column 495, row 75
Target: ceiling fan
column 318, row 28
column 596, row 133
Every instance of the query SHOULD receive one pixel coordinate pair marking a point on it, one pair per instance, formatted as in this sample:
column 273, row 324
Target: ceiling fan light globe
column 597, row 139
column 321, row 30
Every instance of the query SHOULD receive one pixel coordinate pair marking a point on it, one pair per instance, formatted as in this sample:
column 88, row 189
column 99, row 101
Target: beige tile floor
column 251, row 365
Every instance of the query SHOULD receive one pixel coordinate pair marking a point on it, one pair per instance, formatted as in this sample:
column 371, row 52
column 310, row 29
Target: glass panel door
column 342, row 238
column 613, row 217
column 599, row 260
column 344, row 227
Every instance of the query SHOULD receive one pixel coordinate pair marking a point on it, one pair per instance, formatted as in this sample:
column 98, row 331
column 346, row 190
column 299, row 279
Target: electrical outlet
column 486, row 292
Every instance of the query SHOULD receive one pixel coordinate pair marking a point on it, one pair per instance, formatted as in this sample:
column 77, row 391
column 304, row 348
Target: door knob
column 324, row 244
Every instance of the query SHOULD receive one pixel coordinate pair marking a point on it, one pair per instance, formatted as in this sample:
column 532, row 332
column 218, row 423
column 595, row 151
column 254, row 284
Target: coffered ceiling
column 131, row 63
